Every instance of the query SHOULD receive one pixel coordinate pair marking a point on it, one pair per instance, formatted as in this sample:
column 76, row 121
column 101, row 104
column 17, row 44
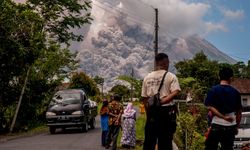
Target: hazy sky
column 224, row 23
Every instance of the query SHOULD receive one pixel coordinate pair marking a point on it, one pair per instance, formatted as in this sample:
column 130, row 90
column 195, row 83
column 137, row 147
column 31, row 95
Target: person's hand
column 116, row 122
column 228, row 118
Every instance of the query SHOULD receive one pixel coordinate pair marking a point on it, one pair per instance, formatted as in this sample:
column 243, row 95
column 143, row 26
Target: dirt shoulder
column 11, row 136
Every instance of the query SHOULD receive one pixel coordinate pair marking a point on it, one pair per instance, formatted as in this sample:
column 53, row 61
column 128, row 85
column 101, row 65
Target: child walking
column 104, row 121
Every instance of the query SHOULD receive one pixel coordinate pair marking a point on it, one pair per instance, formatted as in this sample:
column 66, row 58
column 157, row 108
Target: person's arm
column 220, row 115
column 104, row 110
column 109, row 111
column 238, row 117
column 170, row 97
column 111, row 114
column 174, row 90
column 119, row 116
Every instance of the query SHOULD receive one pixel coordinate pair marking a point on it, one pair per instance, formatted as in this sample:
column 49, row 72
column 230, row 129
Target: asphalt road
column 71, row 139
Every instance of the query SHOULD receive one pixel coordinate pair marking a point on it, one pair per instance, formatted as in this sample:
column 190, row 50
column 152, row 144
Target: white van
column 243, row 135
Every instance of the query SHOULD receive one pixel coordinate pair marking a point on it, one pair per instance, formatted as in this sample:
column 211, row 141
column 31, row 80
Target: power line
column 128, row 15
column 124, row 11
column 132, row 18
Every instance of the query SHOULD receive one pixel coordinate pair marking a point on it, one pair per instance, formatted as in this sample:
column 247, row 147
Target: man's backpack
column 155, row 101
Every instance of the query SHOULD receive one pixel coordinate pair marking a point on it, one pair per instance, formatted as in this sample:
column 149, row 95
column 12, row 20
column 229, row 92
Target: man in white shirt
column 162, row 126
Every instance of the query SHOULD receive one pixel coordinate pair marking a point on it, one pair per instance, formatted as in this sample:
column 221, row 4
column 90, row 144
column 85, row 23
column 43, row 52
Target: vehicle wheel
column 52, row 130
column 92, row 123
column 85, row 127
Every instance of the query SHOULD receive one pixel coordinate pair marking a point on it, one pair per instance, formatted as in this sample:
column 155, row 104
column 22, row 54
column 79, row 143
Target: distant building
column 243, row 86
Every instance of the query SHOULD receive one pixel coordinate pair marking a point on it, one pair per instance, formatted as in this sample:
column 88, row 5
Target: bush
column 190, row 130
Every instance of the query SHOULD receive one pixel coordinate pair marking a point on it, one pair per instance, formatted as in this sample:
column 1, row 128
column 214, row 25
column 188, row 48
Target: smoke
column 121, row 36
column 177, row 18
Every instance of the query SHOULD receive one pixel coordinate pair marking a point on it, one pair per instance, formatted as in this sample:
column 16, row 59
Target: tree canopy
column 81, row 80
column 35, row 35
column 199, row 74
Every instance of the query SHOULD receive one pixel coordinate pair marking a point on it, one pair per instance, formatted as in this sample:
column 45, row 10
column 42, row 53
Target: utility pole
column 156, row 35
column 132, row 86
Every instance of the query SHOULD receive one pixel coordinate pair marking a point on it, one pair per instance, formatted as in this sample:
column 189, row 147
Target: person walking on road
column 115, row 113
column 104, row 121
column 224, row 102
column 128, row 139
column 161, row 128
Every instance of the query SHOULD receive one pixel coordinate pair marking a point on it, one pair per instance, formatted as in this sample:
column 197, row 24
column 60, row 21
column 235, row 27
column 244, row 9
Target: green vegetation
column 199, row 74
column 36, row 36
column 136, row 83
column 82, row 80
column 191, row 126
column 140, row 123
column 121, row 89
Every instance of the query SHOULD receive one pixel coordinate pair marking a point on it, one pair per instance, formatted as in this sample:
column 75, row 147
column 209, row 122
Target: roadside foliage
column 36, row 35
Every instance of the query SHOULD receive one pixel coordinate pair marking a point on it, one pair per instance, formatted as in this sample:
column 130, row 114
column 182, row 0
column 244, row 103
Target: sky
column 224, row 23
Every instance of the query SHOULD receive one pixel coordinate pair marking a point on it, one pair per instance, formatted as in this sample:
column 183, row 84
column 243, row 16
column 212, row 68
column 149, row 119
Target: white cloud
column 211, row 27
column 233, row 15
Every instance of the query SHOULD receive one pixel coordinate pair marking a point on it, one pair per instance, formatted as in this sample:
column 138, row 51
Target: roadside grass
column 140, row 123
column 36, row 130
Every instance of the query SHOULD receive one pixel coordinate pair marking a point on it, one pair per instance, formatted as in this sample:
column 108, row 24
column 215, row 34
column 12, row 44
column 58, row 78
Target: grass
column 36, row 130
column 140, row 123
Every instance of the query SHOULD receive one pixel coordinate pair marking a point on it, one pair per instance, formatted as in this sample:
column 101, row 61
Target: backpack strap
column 162, row 80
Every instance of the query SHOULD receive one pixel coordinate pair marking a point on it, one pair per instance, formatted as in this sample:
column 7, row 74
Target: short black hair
column 117, row 97
column 160, row 57
column 225, row 73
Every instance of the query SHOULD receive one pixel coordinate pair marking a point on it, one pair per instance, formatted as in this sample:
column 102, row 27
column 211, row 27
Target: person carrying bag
column 158, row 90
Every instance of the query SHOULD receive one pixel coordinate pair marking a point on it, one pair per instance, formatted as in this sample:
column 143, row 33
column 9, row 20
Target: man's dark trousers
column 113, row 135
column 160, row 128
column 224, row 135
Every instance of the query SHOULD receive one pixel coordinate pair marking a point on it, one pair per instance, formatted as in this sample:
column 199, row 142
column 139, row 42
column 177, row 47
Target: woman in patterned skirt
column 128, row 139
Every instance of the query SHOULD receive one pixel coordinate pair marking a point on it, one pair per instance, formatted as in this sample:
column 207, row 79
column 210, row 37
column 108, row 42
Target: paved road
column 71, row 139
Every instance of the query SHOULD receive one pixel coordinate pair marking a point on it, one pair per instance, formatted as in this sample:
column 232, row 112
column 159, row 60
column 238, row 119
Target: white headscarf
column 129, row 111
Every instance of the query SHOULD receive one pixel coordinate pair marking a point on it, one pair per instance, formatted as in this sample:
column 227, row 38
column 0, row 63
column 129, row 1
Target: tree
column 136, row 83
column 241, row 70
column 61, row 16
column 203, row 71
column 121, row 90
column 100, row 81
column 81, row 80
column 36, row 35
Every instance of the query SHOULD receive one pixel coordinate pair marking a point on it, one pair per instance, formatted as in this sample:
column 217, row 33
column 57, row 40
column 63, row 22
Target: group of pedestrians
column 113, row 118
column 223, row 102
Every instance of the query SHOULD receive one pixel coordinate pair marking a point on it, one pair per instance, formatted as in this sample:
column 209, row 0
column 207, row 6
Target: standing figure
column 160, row 128
column 115, row 113
column 224, row 102
column 128, row 139
column 104, row 121
column 142, row 108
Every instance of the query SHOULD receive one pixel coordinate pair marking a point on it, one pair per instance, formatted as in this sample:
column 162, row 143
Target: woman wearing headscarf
column 104, row 121
column 128, row 139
